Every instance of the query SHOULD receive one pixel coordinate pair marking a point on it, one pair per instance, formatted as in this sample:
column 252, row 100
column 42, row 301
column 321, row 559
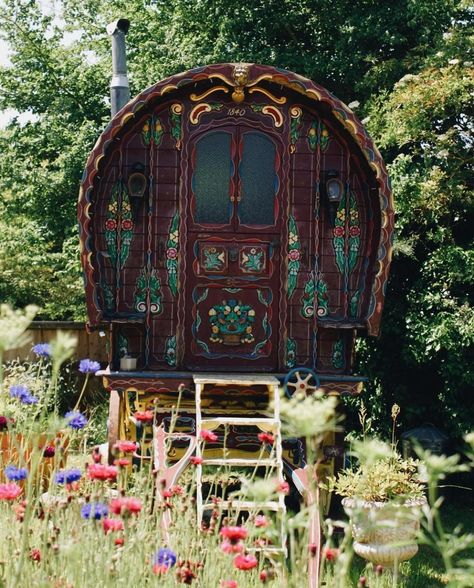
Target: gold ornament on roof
column 241, row 79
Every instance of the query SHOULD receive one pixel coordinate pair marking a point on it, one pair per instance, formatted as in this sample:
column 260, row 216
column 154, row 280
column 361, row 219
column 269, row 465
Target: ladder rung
column 241, row 462
column 268, row 549
column 240, row 421
column 244, row 505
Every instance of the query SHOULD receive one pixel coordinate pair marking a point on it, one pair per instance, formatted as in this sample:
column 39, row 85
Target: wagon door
column 233, row 254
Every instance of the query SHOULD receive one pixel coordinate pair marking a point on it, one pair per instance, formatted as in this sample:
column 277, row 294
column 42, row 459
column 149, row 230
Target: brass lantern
column 334, row 189
column 137, row 185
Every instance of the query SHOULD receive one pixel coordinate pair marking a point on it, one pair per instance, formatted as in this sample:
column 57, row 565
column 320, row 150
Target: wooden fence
column 92, row 346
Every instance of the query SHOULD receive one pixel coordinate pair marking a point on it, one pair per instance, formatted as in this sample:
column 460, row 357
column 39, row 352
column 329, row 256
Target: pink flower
column 330, row 553
column 294, row 255
column 283, row 487
column 35, row 554
column 195, row 460
column 171, row 253
column 354, row 231
column 228, row 584
column 208, row 435
column 97, row 471
column 245, row 562
column 266, row 438
column 146, row 416
column 122, row 462
column 234, row 534
column 125, row 506
column 9, row 491
column 232, row 547
column 125, row 446
column 261, row 521
column 111, row 525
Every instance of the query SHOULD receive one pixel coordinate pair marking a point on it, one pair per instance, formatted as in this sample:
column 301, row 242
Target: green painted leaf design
column 294, row 247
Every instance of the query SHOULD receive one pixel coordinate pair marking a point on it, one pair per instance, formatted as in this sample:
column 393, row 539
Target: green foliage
column 406, row 62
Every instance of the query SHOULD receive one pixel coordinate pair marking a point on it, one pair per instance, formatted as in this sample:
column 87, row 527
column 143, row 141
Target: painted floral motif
column 176, row 111
column 338, row 360
column 307, row 300
column 354, row 233
column 170, row 351
column 172, row 255
column 152, row 131
column 339, row 232
column 318, row 134
column 295, row 113
column 148, row 292
column 354, row 304
column 231, row 323
column 323, row 298
column 213, row 259
column 269, row 110
column 290, row 355
column 109, row 300
column 294, row 255
column 119, row 225
column 313, row 135
column 201, row 109
column 252, row 260
column 323, row 137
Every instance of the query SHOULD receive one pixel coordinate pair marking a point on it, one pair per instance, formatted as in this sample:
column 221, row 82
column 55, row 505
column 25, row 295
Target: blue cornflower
column 164, row 557
column 75, row 419
column 19, row 391
column 88, row 366
column 95, row 511
column 42, row 350
column 23, row 394
column 67, row 476
column 15, row 474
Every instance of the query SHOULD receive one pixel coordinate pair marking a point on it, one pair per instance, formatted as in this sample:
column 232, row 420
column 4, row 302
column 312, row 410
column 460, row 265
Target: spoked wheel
column 301, row 380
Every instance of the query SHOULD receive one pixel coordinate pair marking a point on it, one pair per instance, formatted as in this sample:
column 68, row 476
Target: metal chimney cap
column 121, row 24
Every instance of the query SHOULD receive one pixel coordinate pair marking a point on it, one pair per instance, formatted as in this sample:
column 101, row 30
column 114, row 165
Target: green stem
column 82, row 392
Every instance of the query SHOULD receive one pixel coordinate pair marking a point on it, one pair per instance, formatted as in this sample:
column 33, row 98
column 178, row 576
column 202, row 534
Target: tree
column 403, row 60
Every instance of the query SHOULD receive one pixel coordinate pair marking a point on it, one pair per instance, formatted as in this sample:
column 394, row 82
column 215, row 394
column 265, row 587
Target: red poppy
column 266, row 438
column 229, row 547
column 338, row 231
column 146, row 416
column 97, row 471
column 261, row 521
column 330, row 553
column 245, row 562
column 111, row 525
column 208, row 435
column 125, row 446
column 122, row 462
column 283, row 487
column 125, row 506
column 9, row 491
column 35, row 554
column 195, row 460
column 234, row 534
column 228, row 584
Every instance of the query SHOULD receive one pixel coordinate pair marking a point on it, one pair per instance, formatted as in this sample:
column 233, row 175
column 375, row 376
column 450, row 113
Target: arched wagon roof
column 242, row 80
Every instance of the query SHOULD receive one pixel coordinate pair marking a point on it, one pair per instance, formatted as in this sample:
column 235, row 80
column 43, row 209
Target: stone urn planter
column 385, row 532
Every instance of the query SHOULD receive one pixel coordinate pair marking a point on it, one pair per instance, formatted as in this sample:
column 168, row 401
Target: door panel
column 232, row 292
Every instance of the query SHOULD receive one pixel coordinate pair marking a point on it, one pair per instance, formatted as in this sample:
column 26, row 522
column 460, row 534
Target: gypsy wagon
column 235, row 224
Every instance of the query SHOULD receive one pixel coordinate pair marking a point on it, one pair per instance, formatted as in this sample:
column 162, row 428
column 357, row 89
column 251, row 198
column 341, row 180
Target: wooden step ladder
column 269, row 423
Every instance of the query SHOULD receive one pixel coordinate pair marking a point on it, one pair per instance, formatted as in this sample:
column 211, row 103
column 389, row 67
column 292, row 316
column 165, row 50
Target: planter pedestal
column 384, row 532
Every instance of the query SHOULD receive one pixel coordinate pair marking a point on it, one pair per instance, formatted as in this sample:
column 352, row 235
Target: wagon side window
column 211, row 178
column 259, row 182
